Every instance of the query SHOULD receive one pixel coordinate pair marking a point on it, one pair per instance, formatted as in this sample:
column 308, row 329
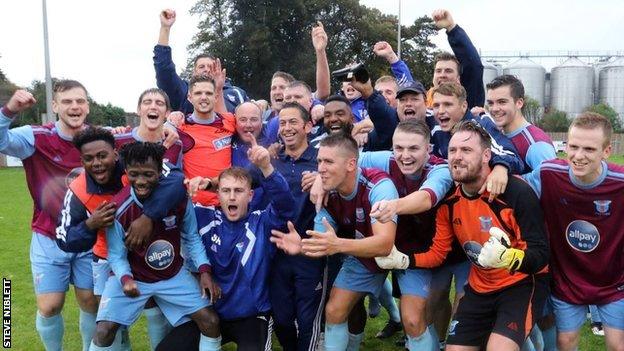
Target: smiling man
column 156, row 269
column 580, row 197
column 505, row 241
column 427, row 179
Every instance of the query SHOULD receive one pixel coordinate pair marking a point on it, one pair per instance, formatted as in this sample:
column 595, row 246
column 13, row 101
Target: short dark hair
column 201, row 56
column 237, row 173
column 303, row 113
column 285, row 76
column 201, row 79
column 447, row 56
column 415, row 126
column 342, row 141
column 474, row 127
column 337, row 97
column 91, row 134
column 155, row 91
column 67, row 84
column 592, row 120
column 139, row 152
column 516, row 88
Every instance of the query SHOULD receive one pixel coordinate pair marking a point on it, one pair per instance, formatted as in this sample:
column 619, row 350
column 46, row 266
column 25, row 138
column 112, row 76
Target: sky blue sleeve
column 534, row 179
column 16, row 142
column 318, row 221
column 383, row 190
column 190, row 237
column 375, row 159
column 538, row 153
column 439, row 181
column 117, row 251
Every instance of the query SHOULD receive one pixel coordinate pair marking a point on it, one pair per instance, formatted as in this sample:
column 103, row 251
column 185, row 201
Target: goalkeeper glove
column 395, row 260
column 497, row 252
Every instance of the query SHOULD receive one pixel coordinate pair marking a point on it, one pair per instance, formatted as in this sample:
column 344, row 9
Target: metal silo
column 532, row 76
column 490, row 71
column 597, row 68
column 612, row 85
column 571, row 85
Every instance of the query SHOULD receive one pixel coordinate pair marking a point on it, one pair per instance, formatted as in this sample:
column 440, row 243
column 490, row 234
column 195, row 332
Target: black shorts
column 249, row 334
column 510, row 312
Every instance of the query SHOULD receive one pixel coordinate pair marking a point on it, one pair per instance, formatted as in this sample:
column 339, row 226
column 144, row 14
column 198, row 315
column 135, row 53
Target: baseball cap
column 411, row 87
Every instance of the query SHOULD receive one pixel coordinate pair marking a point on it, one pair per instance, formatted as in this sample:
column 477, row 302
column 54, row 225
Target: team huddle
column 224, row 219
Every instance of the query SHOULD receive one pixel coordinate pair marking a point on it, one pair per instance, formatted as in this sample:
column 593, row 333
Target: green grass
column 15, row 216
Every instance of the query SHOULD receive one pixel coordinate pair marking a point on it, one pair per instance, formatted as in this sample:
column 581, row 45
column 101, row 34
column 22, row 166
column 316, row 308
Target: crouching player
column 156, row 270
column 240, row 253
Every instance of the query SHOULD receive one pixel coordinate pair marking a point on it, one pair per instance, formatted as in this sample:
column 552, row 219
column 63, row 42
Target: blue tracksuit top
column 503, row 151
column 240, row 252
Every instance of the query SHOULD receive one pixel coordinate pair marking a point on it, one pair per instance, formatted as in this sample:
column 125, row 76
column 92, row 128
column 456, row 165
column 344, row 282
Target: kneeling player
column 157, row 270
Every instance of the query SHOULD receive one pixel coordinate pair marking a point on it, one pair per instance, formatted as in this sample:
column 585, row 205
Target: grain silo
column 532, row 76
column 612, row 85
column 597, row 68
column 571, row 85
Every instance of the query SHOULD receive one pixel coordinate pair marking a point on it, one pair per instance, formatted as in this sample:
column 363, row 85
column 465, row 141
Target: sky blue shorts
column 570, row 317
column 415, row 282
column 353, row 276
column 54, row 269
column 441, row 276
column 101, row 272
column 177, row 297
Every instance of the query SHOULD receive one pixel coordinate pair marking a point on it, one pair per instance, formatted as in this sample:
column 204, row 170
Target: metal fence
column 617, row 141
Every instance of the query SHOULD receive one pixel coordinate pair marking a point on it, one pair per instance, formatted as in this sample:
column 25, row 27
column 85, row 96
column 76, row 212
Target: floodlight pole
column 399, row 33
column 48, row 78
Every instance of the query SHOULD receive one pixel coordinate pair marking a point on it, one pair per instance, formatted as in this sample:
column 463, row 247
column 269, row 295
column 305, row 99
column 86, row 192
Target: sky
column 108, row 45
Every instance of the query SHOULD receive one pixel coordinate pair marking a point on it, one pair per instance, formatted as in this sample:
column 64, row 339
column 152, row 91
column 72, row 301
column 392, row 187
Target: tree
column 532, row 110
column 554, row 121
column 256, row 38
column 607, row 111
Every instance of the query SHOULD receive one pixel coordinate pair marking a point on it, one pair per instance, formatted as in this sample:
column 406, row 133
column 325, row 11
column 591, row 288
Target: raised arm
column 319, row 41
column 167, row 78
column 399, row 69
column 471, row 72
column 17, row 142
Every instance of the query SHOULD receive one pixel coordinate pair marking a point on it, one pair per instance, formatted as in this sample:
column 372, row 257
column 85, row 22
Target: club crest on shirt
column 602, row 207
column 359, row 214
column 170, row 222
column 486, row 223
column 231, row 97
column 582, row 236
column 159, row 255
column 240, row 246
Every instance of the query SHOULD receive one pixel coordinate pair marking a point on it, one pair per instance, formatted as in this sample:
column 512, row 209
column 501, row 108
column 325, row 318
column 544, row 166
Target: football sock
column 355, row 340
column 424, row 341
column 50, row 331
column 207, row 343
column 336, row 336
column 87, row 328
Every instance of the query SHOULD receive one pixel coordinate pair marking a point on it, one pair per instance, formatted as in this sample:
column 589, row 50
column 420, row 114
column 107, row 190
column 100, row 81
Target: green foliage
column 256, row 38
column 554, row 121
column 607, row 111
column 107, row 115
column 532, row 110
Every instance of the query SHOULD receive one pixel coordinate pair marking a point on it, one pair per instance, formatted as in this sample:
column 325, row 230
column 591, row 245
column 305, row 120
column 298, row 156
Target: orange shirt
column 469, row 218
column 212, row 152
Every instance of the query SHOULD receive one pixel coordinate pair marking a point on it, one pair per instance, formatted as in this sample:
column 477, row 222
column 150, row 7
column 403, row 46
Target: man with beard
column 505, row 241
column 338, row 117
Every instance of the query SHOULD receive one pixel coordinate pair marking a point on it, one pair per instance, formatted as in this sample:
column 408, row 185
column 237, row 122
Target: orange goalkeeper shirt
column 212, row 152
